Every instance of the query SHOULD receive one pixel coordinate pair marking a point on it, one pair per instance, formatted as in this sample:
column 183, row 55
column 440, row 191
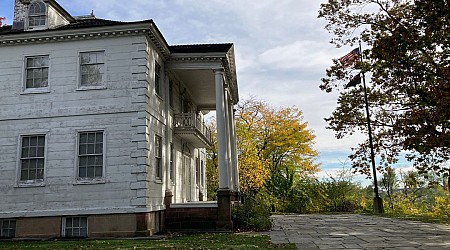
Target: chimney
column 20, row 11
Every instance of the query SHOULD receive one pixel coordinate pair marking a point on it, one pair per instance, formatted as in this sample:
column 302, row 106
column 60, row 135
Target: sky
column 282, row 51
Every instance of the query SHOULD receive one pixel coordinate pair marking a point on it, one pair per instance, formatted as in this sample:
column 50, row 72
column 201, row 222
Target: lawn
column 197, row 241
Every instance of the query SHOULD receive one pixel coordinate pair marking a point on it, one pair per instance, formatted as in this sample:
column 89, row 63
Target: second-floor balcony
column 192, row 129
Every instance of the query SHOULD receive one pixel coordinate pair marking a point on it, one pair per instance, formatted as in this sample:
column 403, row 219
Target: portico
column 208, row 72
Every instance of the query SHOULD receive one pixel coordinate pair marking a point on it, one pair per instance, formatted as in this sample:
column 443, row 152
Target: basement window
column 75, row 227
column 7, row 228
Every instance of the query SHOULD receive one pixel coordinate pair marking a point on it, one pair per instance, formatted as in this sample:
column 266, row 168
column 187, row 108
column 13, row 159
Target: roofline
column 118, row 29
column 62, row 10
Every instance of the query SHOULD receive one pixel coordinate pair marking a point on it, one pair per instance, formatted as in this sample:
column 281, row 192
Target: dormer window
column 37, row 15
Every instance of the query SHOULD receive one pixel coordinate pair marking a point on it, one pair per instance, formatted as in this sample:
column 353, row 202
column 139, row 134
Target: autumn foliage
column 270, row 141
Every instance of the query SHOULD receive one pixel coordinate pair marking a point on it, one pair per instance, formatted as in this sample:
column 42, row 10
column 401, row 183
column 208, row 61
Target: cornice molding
column 49, row 36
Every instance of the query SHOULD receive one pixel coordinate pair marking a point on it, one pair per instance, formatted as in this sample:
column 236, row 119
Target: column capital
column 218, row 70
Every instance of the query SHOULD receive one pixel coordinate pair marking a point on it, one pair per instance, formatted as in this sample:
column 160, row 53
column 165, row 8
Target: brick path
column 351, row 231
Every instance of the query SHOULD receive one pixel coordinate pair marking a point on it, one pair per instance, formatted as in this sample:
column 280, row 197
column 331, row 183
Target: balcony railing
column 189, row 124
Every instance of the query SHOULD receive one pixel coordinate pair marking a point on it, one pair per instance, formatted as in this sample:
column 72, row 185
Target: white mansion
column 101, row 124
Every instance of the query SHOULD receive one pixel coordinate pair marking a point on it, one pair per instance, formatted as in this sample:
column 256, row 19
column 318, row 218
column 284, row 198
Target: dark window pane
column 82, row 161
column 33, row 141
column 98, row 171
column 91, row 160
column 90, row 148
column 90, row 171
column 99, row 160
column 33, row 152
column 83, row 138
column 82, row 149
column 82, row 172
column 98, row 148
column 91, row 138
column 99, row 137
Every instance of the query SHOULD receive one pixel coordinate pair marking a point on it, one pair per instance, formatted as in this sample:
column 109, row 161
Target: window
column 92, row 68
column 197, row 171
column 75, row 227
column 90, row 155
column 37, row 14
column 158, row 156
column 157, row 79
column 32, row 158
column 171, row 163
column 7, row 228
column 36, row 72
column 171, row 93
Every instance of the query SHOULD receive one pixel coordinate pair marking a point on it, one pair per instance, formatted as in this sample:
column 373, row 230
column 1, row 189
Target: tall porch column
column 222, row 139
column 234, row 153
column 228, row 120
column 224, row 193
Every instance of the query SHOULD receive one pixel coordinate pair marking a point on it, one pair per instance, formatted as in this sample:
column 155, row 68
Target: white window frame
column 102, row 85
column 35, row 90
column 44, row 14
column 64, row 226
column 89, row 180
column 158, row 158
column 3, row 222
column 158, row 79
column 33, row 182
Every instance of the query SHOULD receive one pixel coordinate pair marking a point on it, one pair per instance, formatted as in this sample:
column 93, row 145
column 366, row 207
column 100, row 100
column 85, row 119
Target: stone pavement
column 350, row 231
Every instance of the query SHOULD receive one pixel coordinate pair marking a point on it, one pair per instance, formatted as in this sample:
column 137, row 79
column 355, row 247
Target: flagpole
column 377, row 201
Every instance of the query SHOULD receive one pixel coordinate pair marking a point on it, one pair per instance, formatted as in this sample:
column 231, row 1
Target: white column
column 221, row 130
column 234, row 154
column 228, row 137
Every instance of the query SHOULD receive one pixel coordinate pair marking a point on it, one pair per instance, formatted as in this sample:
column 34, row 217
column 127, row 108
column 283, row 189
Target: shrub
column 254, row 214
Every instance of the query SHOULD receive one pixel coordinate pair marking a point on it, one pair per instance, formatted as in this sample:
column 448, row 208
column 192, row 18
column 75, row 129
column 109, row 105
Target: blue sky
column 282, row 50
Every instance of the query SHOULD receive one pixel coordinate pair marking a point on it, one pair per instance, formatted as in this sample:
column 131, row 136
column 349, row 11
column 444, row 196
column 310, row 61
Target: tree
column 1, row 20
column 272, row 143
column 389, row 183
column 408, row 58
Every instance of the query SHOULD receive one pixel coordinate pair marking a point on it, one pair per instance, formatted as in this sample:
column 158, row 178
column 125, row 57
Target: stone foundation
column 99, row 226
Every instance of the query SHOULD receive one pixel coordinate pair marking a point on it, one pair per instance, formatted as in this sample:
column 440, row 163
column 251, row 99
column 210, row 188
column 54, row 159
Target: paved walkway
column 357, row 232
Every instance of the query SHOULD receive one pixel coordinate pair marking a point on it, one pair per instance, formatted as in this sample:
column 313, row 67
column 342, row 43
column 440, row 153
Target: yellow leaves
column 269, row 138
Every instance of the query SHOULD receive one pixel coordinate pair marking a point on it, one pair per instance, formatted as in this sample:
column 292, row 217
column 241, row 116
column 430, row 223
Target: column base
column 168, row 198
column 224, row 222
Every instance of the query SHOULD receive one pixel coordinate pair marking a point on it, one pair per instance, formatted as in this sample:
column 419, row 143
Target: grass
column 197, row 241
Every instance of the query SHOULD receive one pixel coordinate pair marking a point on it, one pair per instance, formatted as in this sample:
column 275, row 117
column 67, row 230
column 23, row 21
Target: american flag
column 350, row 58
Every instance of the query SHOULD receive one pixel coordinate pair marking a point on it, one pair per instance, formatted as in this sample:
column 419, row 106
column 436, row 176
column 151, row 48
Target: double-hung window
column 171, row 164
column 32, row 158
column 90, row 155
column 36, row 72
column 158, row 79
column 7, row 228
column 92, row 68
column 158, row 156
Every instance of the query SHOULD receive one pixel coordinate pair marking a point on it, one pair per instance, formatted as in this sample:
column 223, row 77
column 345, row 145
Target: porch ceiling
column 201, row 85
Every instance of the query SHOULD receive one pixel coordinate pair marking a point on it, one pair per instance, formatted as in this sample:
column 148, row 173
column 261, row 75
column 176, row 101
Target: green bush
column 253, row 214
